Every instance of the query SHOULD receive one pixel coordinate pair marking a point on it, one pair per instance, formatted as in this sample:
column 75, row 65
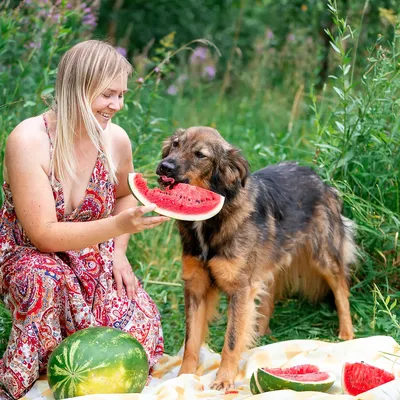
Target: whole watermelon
column 97, row 360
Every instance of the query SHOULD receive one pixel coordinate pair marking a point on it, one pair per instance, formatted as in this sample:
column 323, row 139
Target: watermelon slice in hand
column 300, row 378
column 360, row 377
column 181, row 201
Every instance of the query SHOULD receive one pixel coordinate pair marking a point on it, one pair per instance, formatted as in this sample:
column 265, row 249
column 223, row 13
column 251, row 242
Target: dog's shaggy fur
column 280, row 231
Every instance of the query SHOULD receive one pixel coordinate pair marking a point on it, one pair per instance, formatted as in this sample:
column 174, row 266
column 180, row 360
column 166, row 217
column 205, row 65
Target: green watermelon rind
column 266, row 382
column 254, row 389
column 97, row 354
column 187, row 216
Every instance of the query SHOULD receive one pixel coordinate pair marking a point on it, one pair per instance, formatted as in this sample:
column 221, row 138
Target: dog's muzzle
column 166, row 168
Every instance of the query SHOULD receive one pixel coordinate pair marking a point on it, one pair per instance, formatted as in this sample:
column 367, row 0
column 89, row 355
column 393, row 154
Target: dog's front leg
column 197, row 283
column 239, row 333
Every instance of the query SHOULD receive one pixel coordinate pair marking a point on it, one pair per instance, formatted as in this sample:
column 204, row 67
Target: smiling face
column 109, row 101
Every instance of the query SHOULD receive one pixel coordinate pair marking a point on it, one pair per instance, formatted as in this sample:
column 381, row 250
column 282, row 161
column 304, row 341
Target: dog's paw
column 223, row 385
column 263, row 330
column 346, row 335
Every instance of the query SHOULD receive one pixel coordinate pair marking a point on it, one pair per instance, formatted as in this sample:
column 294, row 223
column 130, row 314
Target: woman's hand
column 132, row 220
column 123, row 275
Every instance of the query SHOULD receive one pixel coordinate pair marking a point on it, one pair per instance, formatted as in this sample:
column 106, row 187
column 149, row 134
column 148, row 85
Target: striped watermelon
column 97, row 360
column 305, row 377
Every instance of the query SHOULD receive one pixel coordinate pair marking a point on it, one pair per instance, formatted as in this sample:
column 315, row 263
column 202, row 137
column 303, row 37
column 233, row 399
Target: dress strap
column 46, row 125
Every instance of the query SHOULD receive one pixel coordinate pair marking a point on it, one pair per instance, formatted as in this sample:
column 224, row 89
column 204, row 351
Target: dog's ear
column 167, row 144
column 238, row 165
column 234, row 167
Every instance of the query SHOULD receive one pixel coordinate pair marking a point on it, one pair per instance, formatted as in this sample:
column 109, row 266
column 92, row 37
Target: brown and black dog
column 280, row 231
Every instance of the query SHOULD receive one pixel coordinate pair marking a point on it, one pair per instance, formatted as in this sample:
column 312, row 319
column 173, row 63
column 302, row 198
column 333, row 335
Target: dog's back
column 308, row 231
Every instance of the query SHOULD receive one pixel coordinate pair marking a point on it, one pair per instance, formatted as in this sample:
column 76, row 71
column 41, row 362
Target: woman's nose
column 115, row 104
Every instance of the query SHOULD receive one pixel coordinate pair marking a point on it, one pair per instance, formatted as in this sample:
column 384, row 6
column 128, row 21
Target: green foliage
column 5, row 327
column 358, row 139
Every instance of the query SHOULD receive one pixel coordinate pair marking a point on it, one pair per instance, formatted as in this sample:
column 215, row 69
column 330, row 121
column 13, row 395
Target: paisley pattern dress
column 52, row 295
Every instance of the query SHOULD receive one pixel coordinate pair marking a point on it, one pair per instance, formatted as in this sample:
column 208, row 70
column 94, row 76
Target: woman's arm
column 26, row 160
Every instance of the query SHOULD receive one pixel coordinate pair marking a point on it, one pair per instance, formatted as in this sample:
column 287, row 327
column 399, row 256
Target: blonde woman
column 67, row 218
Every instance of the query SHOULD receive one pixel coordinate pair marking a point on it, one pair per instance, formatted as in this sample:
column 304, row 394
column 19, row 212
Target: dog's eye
column 175, row 143
column 199, row 154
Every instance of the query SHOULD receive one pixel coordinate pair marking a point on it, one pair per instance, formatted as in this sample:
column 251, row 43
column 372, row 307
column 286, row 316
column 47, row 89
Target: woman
column 67, row 218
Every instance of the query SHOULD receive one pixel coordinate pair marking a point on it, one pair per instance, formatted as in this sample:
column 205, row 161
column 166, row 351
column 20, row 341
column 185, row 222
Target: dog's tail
column 349, row 251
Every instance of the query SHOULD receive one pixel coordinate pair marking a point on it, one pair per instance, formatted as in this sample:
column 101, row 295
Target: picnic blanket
column 380, row 351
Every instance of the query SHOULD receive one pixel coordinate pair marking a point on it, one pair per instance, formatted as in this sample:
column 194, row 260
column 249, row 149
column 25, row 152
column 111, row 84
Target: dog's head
column 200, row 156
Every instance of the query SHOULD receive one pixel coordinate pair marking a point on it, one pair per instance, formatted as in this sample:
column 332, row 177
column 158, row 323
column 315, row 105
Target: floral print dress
column 52, row 295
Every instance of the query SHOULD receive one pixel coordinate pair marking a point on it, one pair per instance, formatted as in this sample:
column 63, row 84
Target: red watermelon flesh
column 305, row 377
column 301, row 373
column 181, row 201
column 360, row 377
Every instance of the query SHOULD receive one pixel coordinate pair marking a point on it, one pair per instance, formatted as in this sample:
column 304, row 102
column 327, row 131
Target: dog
column 280, row 231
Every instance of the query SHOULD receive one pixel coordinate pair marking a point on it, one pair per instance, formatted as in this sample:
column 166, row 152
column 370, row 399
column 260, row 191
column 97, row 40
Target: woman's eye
column 107, row 96
column 199, row 154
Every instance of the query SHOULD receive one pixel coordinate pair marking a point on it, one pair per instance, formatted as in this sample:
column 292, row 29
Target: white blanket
column 166, row 385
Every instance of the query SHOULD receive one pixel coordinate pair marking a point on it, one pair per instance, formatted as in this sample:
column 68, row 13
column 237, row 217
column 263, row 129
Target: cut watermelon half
column 182, row 201
column 305, row 377
column 360, row 377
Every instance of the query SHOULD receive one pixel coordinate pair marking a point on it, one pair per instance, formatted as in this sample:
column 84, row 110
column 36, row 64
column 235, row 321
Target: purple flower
column 35, row 45
column 56, row 18
column 270, row 34
column 122, row 51
column 87, row 10
column 210, row 72
column 28, row 1
column 89, row 19
column 157, row 70
column 139, row 80
column 172, row 90
column 199, row 54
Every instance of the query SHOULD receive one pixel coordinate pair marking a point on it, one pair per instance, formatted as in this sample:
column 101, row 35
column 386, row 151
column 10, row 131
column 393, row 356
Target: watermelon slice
column 360, row 377
column 181, row 201
column 300, row 378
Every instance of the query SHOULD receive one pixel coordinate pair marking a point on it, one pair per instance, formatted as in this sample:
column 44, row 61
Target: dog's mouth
column 169, row 182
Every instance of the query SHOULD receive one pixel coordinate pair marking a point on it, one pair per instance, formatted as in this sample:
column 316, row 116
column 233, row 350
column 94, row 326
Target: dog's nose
column 166, row 168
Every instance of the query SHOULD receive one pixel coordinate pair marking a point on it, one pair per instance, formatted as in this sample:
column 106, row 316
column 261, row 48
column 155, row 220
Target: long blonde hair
column 84, row 72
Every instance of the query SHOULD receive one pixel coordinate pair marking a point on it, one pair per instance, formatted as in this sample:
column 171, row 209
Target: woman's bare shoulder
column 27, row 141
column 29, row 132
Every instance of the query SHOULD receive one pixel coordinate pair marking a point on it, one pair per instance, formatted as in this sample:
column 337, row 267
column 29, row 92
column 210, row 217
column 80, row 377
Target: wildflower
column 304, row 7
column 157, row 70
column 56, row 18
column 121, row 50
column 35, row 45
column 172, row 90
column 210, row 72
column 270, row 34
column 89, row 19
column 139, row 80
column 291, row 37
column 199, row 54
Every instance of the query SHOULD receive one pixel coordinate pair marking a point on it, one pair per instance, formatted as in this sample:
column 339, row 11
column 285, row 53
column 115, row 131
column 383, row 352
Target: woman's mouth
column 105, row 115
